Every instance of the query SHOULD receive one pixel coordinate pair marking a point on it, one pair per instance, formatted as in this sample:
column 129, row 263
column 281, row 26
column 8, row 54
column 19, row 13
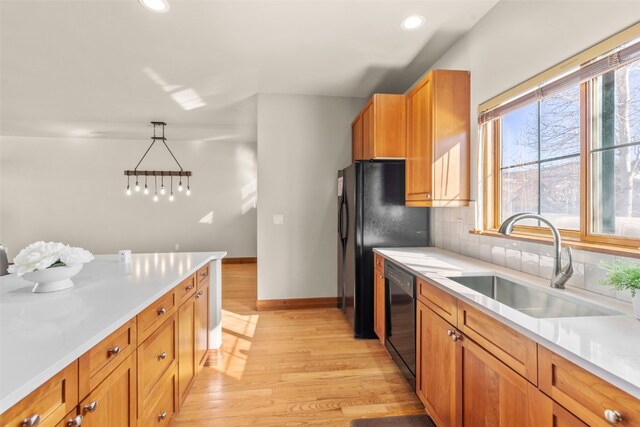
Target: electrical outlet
column 177, row 247
column 278, row 219
column 460, row 223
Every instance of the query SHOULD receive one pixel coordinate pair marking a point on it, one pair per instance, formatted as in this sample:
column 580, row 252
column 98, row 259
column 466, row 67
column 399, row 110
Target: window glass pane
column 560, row 192
column 560, row 124
column 519, row 191
column 616, row 192
column 520, row 136
column 617, row 107
column 615, row 170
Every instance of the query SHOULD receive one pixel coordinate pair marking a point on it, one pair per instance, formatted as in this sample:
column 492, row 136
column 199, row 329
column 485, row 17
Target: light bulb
column 137, row 186
column 180, row 186
column 188, row 191
column 171, row 197
column 162, row 190
column 128, row 191
column 146, row 189
column 155, row 197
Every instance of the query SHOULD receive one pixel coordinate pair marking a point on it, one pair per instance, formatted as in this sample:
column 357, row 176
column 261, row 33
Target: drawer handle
column 75, row 421
column 199, row 294
column 162, row 355
column 162, row 416
column 455, row 337
column 614, row 417
column 188, row 288
column 32, row 421
column 162, row 311
column 91, row 407
column 428, row 196
column 114, row 351
column 205, row 274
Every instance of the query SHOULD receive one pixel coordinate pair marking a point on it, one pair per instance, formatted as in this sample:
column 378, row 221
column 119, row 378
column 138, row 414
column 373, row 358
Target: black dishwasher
column 401, row 320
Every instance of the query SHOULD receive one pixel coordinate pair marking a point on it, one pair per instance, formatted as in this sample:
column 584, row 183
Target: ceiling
column 104, row 69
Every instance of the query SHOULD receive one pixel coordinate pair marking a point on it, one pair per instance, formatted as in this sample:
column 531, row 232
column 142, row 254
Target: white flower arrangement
column 41, row 255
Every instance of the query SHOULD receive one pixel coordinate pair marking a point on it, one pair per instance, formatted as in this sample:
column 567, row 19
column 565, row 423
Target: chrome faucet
column 560, row 275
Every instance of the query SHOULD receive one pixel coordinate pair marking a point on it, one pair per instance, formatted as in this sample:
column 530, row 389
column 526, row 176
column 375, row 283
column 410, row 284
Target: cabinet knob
column 75, row 421
column 613, row 417
column 454, row 336
column 162, row 416
column 114, row 350
column 199, row 294
column 188, row 288
column 427, row 196
column 204, row 274
column 162, row 355
column 162, row 311
column 381, row 276
column 91, row 407
column 31, row 421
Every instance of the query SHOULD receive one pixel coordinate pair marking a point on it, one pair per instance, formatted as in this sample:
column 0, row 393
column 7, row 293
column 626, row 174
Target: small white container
column 125, row 256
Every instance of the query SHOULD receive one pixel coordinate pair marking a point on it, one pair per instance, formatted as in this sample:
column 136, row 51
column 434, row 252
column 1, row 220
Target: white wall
column 73, row 190
column 302, row 143
column 513, row 42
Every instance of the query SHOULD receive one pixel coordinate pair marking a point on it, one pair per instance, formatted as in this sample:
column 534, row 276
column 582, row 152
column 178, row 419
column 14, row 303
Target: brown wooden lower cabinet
column 436, row 384
column 49, row 403
column 202, row 325
column 186, row 346
column 379, row 311
column 113, row 402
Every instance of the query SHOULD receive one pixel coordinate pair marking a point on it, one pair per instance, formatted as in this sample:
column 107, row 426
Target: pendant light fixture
column 155, row 173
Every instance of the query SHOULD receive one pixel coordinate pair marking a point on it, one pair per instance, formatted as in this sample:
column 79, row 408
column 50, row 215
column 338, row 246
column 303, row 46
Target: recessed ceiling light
column 412, row 22
column 159, row 6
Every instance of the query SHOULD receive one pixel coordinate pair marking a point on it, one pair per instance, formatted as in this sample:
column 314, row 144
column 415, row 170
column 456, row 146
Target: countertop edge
column 17, row 395
column 562, row 351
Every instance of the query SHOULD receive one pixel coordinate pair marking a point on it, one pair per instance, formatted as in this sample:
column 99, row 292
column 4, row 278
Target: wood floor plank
column 291, row 368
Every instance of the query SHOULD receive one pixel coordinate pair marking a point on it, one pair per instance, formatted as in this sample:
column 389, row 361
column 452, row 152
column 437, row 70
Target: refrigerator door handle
column 344, row 232
column 340, row 218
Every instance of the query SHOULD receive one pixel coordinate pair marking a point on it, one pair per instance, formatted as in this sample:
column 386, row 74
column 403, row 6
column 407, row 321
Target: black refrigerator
column 371, row 213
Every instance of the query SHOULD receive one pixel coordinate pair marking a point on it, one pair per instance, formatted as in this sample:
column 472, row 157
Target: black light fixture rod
column 157, row 173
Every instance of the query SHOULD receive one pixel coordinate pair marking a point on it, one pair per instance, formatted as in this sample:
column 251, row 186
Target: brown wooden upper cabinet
column 438, row 115
column 379, row 131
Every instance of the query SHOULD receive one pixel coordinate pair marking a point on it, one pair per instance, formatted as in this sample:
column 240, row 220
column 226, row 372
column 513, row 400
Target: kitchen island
column 42, row 334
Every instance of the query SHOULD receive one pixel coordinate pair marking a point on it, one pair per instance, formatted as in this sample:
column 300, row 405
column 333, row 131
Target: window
column 569, row 150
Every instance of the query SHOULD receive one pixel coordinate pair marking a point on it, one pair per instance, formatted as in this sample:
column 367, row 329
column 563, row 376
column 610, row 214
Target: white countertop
column 40, row 334
column 608, row 346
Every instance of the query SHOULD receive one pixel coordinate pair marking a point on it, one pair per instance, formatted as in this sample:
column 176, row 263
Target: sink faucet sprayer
column 560, row 275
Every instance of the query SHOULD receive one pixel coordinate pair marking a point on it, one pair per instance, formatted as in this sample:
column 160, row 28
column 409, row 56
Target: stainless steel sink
column 529, row 300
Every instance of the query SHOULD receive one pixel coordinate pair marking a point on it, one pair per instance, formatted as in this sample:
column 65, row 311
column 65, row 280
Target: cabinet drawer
column 444, row 304
column 96, row 364
column 113, row 402
column 378, row 262
column 512, row 348
column 156, row 314
column 583, row 393
column 49, row 403
column 163, row 402
column 186, row 289
column 155, row 356
column 202, row 276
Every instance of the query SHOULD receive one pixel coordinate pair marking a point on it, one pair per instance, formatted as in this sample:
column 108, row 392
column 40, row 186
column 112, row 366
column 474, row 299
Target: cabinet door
column 418, row 183
column 379, row 304
column 367, row 133
column 492, row 393
column 186, row 346
column 202, row 325
column 356, row 139
column 113, row 402
column 436, row 355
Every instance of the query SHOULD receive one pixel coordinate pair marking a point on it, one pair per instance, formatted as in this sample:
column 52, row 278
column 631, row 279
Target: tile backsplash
column 451, row 232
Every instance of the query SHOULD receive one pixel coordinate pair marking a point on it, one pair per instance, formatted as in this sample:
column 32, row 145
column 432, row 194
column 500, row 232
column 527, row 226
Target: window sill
column 625, row 251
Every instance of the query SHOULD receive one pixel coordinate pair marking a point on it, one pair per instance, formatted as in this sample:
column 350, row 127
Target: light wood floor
column 289, row 368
